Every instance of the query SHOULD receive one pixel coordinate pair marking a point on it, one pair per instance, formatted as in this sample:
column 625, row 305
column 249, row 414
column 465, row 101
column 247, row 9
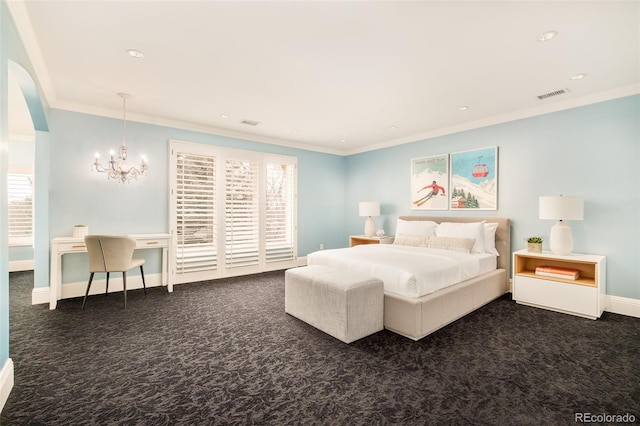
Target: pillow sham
column 473, row 230
column 462, row 245
column 416, row 227
column 410, row 240
column 490, row 238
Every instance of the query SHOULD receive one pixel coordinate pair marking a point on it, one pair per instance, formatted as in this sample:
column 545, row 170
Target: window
column 195, row 213
column 233, row 212
column 20, row 192
column 280, row 202
column 242, row 213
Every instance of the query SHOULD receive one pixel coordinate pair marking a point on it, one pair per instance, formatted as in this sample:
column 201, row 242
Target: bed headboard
column 503, row 234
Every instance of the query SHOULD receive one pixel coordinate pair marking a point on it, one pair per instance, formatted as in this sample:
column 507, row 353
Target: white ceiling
column 334, row 76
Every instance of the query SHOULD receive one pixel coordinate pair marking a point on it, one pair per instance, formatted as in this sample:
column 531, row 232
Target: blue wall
column 5, row 31
column 591, row 151
column 80, row 196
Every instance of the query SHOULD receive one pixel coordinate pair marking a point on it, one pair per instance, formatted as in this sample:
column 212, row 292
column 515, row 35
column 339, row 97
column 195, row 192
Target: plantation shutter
column 280, row 218
column 195, row 214
column 242, row 212
column 232, row 212
column 20, row 215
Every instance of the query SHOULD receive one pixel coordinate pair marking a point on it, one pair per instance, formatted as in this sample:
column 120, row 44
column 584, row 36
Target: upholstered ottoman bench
column 343, row 304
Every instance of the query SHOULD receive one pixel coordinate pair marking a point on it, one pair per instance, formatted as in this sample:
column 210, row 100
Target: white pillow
column 416, row 227
column 473, row 230
column 490, row 238
column 410, row 240
column 462, row 245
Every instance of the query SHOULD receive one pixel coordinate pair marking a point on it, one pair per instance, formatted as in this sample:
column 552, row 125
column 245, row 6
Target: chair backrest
column 109, row 253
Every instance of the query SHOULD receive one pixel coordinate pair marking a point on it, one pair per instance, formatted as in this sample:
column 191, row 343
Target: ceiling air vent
column 556, row 93
column 250, row 122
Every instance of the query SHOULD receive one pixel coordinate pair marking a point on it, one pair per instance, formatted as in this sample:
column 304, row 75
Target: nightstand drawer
column 570, row 298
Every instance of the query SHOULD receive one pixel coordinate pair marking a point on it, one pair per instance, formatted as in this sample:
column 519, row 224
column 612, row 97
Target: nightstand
column 355, row 240
column 583, row 296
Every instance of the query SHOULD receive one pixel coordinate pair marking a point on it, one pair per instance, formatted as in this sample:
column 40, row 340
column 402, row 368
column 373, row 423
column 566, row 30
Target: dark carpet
column 224, row 352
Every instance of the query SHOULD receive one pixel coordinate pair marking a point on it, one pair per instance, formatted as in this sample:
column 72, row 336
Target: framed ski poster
column 430, row 182
column 474, row 180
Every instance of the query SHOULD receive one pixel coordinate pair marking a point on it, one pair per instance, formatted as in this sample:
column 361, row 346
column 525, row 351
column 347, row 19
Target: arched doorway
column 28, row 126
column 20, row 178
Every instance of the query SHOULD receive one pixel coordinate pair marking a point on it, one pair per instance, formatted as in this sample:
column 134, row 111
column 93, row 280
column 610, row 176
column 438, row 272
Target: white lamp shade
column 561, row 208
column 369, row 208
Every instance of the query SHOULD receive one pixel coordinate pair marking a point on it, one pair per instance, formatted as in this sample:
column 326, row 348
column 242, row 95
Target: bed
column 418, row 299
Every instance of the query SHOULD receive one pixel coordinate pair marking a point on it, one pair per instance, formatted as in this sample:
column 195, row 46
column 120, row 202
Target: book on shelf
column 558, row 272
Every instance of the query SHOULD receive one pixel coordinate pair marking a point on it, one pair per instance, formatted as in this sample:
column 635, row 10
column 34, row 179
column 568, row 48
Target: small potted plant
column 534, row 244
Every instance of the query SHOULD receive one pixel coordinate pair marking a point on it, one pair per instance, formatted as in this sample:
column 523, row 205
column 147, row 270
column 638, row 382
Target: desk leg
column 165, row 269
column 55, row 290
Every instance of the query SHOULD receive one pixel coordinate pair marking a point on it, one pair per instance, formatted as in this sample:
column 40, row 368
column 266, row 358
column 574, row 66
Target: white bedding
column 406, row 270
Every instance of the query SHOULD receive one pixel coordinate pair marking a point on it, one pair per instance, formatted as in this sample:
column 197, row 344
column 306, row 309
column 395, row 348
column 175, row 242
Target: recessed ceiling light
column 578, row 76
column 135, row 53
column 225, row 116
column 547, row 35
column 393, row 127
column 343, row 140
column 296, row 131
column 463, row 107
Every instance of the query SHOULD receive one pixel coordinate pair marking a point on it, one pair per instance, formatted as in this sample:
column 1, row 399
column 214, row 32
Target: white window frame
column 20, row 241
column 223, row 268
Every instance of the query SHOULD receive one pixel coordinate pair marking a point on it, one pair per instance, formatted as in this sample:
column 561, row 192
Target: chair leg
column 106, row 290
column 143, row 284
column 88, row 287
column 124, row 285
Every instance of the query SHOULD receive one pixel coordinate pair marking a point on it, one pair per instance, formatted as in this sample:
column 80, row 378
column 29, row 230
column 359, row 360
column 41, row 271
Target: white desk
column 65, row 245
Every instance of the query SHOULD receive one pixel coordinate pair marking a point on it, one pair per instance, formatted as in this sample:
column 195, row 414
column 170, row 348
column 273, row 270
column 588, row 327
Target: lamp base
column 369, row 227
column 560, row 240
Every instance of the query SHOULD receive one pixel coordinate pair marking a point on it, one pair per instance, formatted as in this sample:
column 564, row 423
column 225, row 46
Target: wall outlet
column 321, row 246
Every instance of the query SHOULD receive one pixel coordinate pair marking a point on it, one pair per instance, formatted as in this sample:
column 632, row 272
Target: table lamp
column 561, row 208
column 369, row 209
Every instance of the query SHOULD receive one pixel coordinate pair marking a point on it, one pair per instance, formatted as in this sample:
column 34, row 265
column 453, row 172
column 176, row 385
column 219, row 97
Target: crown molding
column 505, row 118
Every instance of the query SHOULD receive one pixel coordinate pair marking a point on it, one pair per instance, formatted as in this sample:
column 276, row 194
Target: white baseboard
column 21, row 265
column 622, row 306
column 40, row 295
column 6, row 382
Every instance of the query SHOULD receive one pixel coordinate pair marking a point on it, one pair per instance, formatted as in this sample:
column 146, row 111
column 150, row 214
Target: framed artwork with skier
column 430, row 182
column 474, row 179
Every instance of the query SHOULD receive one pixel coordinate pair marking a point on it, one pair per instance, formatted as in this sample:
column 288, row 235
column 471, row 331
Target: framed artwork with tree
column 474, row 179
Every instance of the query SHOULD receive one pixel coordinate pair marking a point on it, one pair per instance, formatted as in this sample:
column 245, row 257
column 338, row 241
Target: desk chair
column 112, row 254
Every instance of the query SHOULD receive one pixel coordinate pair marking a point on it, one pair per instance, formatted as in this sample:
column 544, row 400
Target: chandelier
column 118, row 168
